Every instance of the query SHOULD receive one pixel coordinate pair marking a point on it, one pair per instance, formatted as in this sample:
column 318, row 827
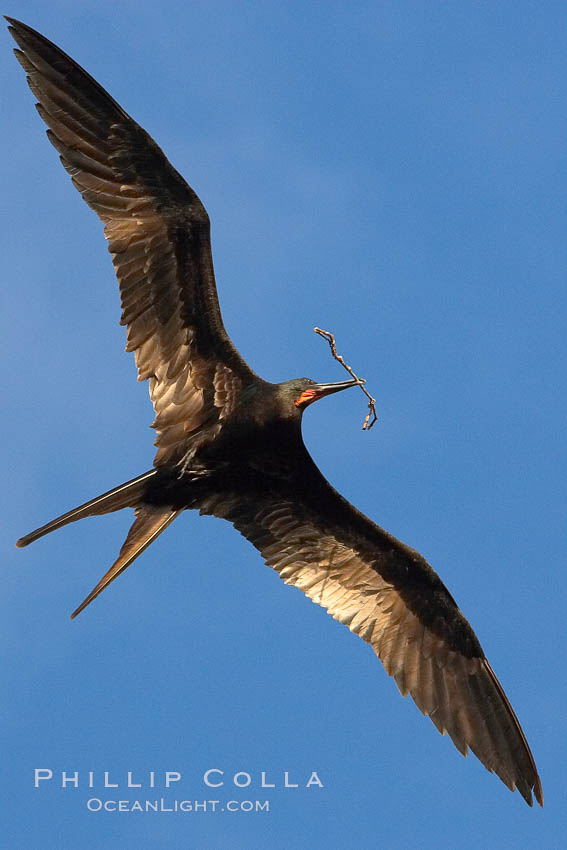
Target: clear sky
column 394, row 172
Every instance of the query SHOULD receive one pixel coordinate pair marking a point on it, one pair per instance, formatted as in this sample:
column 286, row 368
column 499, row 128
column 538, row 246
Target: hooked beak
column 317, row 391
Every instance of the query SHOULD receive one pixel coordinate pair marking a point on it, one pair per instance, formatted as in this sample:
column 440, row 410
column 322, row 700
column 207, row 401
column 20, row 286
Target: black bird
column 229, row 443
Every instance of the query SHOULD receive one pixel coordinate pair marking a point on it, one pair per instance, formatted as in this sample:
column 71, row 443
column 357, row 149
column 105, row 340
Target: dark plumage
column 229, row 443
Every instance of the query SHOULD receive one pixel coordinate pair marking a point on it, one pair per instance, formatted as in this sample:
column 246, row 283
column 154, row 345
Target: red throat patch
column 306, row 397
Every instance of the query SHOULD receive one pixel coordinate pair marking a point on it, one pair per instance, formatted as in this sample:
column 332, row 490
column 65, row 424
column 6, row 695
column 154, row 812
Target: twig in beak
column 371, row 417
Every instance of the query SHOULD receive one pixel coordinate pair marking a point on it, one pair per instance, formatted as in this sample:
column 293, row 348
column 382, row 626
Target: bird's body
column 229, row 443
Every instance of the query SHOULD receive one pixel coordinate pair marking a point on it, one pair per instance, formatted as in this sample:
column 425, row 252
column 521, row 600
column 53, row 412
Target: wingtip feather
column 538, row 792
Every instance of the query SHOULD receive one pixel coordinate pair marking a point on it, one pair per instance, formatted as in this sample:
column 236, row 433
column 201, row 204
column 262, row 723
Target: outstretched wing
column 158, row 233
column 387, row 594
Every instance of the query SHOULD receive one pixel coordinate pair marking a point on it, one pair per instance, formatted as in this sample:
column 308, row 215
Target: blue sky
column 394, row 172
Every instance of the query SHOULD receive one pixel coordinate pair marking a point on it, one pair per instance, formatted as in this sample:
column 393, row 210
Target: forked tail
column 149, row 523
column 127, row 495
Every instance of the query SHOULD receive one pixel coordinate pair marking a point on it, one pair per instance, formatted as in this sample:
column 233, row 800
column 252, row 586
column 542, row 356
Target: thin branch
column 368, row 421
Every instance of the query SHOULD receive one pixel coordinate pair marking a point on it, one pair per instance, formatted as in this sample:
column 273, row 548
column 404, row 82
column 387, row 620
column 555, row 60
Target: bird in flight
column 229, row 443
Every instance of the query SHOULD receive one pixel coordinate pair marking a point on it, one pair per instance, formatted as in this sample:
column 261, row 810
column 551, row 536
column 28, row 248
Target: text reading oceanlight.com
column 173, row 780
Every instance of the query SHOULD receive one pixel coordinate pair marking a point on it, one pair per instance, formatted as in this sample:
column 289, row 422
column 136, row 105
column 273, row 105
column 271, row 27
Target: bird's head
column 301, row 392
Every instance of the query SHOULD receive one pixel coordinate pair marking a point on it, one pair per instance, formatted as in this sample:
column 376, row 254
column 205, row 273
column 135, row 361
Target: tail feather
column 126, row 495
column 149, row 524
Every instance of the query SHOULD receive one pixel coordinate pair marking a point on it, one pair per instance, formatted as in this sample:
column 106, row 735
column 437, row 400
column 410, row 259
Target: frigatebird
column 229, row 443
